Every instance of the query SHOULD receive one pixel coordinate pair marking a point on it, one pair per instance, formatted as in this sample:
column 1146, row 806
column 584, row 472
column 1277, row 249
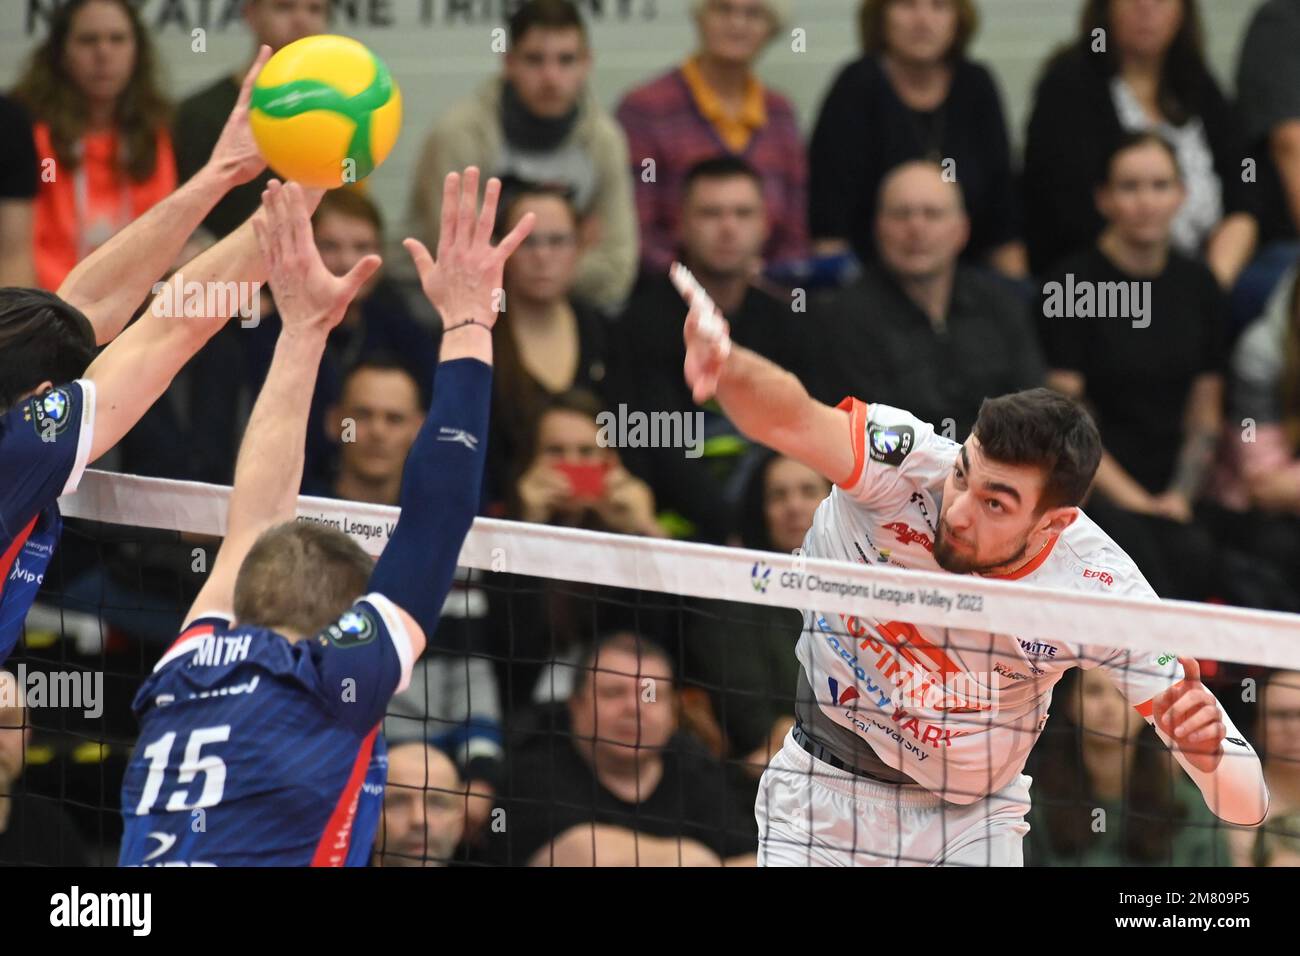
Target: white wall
column 439, row 49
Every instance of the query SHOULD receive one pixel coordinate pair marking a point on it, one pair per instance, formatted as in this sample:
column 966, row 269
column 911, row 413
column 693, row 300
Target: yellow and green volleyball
column 325, row 111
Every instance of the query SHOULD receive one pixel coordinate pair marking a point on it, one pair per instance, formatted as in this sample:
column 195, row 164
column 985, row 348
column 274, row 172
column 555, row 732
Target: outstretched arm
column 269, row 470
column 763, row 400
column 443, row 476
column 1195, row 727
column 109, row 284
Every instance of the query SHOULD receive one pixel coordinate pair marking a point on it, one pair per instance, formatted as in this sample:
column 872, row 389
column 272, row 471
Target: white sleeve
column 85, row 436
column 894, row 453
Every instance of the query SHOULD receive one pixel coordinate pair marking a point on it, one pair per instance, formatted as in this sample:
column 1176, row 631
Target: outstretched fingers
column 450, row 210
column 357, row 276
column 488, row 214
column 250, row 78
column 468, row 206
column 505, row 249
column 419, row 253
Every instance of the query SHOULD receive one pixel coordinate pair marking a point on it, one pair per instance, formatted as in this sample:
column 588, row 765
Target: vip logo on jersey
column 760, row 577
column 850, row 692
column 354, row 628
column 890, row 445
column 49, row 413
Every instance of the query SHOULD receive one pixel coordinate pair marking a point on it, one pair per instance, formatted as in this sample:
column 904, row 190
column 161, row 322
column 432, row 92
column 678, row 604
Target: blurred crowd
column 1140, row 254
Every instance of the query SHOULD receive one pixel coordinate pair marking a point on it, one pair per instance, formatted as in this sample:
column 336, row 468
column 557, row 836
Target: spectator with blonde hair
column 713, row 104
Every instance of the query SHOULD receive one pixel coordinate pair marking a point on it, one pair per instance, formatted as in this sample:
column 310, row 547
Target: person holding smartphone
column 571, row 479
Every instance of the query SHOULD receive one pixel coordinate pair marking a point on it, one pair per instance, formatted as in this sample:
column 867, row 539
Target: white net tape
column 1201, row 630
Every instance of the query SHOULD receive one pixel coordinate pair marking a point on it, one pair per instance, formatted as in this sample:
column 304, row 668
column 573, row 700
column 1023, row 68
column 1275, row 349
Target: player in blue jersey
column 259, row 738
column 62, row 407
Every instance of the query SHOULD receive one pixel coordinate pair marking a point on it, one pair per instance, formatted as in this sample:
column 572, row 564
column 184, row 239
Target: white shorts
column 812, row 814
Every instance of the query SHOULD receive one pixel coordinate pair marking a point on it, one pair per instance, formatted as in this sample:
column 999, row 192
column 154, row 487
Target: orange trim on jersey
column 11, row 554
column 857, row 410
column 198, row 630
column 1032, row 566
column 1146, row 707
column 332, row 850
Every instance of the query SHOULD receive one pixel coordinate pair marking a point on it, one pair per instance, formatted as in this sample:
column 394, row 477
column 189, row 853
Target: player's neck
column 1032, row 553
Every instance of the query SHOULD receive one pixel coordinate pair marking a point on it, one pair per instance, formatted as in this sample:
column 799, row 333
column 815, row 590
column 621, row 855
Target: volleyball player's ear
column 1061, row 518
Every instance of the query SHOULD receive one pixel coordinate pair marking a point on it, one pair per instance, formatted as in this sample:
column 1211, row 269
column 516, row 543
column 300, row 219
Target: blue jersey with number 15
column 258, row 751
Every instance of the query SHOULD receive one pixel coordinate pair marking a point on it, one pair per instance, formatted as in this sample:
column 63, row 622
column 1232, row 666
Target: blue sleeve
column 44, row 447
column 440, row 494
column 360, row 661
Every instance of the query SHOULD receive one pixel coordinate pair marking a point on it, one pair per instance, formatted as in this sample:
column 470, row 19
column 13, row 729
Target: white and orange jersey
column 957, row 710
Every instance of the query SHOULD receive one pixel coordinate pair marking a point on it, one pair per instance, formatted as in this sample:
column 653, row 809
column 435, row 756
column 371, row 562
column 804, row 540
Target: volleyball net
column 599, row 698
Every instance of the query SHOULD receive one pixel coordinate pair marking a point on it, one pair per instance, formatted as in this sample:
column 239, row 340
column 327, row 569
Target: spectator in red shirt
column 714, row 103
column 101, row 118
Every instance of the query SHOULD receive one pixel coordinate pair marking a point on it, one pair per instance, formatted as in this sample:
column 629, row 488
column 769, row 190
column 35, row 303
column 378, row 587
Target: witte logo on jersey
column 889, row 445
column 458, row 435
column 354, row 628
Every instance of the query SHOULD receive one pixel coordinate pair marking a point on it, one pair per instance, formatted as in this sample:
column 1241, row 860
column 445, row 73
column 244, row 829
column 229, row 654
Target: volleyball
column 325, row 111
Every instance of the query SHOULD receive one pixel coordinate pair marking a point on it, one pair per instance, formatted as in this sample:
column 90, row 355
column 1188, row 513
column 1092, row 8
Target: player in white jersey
column 911, row 739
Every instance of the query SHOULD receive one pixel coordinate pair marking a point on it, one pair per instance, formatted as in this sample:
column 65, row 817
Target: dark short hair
column 628, row 641
column 1042, row 427
column 300, row 576
column 42, row 338
column 385, row 362
column 515, row 190
column 351, row 204
column 720, row 167
column 871, row 27
column 545, row 15
column 1136, row 139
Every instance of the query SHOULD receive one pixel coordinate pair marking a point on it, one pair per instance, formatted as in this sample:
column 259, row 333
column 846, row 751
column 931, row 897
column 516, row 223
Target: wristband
column 461, row 325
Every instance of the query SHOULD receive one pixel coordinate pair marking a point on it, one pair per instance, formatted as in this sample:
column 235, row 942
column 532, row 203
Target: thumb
column 420, row 255
column 358, row 275
column 1191, row 669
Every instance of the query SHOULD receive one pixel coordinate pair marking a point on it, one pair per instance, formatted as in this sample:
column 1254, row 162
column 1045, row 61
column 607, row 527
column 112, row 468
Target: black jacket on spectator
column 40, row 833
column 877, row 345
column 518, row 399
column 864, row 130
column 551, row 788
column 1137, row 380
column 650, row 379
column 1072, row 131
column 1268, row 94
column 19, row 171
